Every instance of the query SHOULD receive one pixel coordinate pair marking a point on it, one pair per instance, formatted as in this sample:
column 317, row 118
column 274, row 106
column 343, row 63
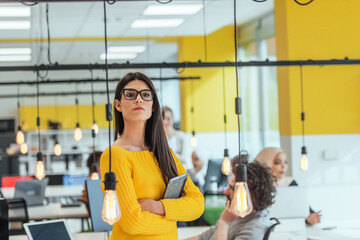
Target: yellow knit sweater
column 139, row 177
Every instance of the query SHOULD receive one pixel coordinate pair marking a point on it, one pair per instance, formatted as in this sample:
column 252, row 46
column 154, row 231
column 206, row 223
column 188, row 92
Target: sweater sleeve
column 188, row 207
column 133, row 220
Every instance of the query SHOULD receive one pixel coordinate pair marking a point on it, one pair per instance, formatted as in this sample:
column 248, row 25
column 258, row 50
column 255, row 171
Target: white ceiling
column 85, row 20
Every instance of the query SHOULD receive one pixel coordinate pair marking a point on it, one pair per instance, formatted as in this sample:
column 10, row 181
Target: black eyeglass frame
column 137, row 93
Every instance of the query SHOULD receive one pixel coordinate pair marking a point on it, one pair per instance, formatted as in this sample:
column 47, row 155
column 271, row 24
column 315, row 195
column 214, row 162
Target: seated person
column 254, row 226
column 198, row 172
column 91, row 167
column 275, row 158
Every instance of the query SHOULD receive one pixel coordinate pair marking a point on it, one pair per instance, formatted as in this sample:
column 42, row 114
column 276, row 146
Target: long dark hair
column 155, row 138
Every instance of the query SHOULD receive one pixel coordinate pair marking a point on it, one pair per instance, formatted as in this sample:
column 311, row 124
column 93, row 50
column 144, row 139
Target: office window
column 258, row 90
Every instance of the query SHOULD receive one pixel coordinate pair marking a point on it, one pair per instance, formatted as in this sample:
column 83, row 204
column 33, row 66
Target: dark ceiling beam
column 180, row 65
column 54, row 94
column 88, row 80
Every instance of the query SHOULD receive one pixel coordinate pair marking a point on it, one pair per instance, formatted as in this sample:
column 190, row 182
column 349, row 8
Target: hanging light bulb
column 20, row 136
column 57, row 148
column 304, row 164
column 193, row 141
column 110, row 212
column 225, row 167
column 40, row 169
column 241, row 204
column 95, row 127
column 24, row 148
column 77, row 133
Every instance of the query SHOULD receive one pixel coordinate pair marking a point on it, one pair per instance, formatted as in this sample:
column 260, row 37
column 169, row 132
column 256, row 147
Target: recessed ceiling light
column 8, row 25
column 15, row 11
column 127, row 49
column 157, row 23
column 118, row 56
column 15, row 51
column 189, row 9
column 12, row 58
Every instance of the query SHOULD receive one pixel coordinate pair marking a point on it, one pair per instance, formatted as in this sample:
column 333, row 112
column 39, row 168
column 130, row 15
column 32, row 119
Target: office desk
column 77, row 236
column 52, row 211
column 312, row 233
column 51, row 191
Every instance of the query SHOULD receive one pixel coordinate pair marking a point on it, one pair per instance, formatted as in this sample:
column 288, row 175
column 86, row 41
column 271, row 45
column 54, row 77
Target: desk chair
column 18, row 215
column 271, row 228
column 4, row 221
column 214, row 205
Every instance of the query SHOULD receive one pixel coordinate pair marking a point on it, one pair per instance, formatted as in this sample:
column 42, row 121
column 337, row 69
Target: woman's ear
column 117, row 105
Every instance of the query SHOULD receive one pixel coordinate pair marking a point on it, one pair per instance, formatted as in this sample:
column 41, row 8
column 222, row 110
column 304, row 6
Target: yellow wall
column 207, row 92
column 65, row 114
column 324, row 29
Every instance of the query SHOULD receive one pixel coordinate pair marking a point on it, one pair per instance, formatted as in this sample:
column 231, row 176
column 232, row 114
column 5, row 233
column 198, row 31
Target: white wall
column 333, row 177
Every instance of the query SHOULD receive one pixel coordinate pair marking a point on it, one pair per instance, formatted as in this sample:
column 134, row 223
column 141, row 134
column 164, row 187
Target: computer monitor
column 45, row 230
column 32, row 191
column 214, row 170
column 95, row 198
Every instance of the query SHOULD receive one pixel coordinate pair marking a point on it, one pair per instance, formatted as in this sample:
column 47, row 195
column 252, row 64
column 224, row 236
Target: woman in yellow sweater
column 143, row 163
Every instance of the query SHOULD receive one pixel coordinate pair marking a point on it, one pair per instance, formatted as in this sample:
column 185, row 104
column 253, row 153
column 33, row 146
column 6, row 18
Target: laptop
column 32, row 191
column 48, row 230
column 290, row 202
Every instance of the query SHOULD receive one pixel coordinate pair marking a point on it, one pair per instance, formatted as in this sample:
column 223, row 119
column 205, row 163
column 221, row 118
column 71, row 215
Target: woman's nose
column 138, row 98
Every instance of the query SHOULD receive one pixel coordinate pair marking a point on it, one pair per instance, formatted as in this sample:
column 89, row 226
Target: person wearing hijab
column 275, row 158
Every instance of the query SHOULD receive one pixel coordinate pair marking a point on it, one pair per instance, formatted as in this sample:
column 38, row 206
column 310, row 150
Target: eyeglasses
column 131, row 94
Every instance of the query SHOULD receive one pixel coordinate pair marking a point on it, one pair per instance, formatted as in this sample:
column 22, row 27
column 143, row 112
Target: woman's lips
column 139, row 108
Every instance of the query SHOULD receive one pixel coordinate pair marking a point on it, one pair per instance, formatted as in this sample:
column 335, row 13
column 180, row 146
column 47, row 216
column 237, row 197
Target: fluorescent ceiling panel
column 15, row 11
column 127, row 49
column 15, row 51
column 9, row 25
column 119, row 56
column 189, row 9
column 13, row 58
column 157, row 23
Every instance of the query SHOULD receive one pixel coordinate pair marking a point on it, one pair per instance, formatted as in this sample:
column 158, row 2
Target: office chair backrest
column 95, row 198
column 17, row 216
column 214, row 170
column 271, row 228
column 214, row 205
column 4, row 219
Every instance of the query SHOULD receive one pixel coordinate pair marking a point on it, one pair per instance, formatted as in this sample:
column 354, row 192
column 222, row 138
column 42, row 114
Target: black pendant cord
column 108, row 105
column 204, row 26
column 77, row 104
column 56, row 108
column 92, row 95
column 302, row 105
column 161, row 89
column 93, row 134
column 224, row 97
column 192, row 108
column 18, row 104
column 48, row 33
column 38, row 109
column 237, row 100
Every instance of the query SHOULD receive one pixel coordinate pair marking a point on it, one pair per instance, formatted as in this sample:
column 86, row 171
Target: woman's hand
column 313, row 218
column 152, row 206
column 227, row 215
